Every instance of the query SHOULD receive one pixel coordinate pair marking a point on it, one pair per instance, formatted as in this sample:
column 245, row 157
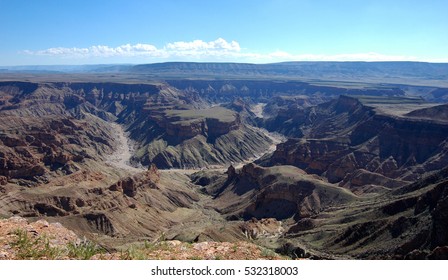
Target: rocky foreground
column 20, row 239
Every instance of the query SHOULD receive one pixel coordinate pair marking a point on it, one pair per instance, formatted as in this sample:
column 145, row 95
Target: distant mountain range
column 377, row 72
column 302, row 68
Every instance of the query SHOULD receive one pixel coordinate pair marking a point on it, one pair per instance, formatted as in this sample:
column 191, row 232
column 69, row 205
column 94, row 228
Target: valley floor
column 121, row 157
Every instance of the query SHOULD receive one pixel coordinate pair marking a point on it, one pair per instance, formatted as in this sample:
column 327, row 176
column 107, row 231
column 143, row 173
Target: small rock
column 17, row 219
column 57, row 225
column 439, row 253
column 42, row 223
column 3, row 180
column 200, row 246
column 174, row 243
column 3, row 255
column 80, row 202
column 33, row 231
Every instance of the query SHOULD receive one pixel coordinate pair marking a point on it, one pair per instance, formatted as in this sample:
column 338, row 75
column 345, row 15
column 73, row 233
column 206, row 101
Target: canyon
column 323, row 169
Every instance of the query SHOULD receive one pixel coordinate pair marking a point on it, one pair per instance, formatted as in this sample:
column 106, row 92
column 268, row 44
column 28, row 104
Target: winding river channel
column 124, row 150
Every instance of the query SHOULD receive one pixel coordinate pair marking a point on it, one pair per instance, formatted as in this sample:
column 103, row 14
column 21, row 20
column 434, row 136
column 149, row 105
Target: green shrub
column 29, row 248
column 83, row 250
column 266, row 253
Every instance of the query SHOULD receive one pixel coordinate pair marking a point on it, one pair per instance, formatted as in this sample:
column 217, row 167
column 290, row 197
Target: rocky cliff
column 276, row 192
column 346, row 138
column 94, row 204
column 219, row 91
column 405, row 224
column 163, row 122
column 43, row 135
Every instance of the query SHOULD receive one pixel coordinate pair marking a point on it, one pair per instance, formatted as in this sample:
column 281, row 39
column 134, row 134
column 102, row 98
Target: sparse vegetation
column 83, row 250
column 162, row 237
column 147, row 250
column 267, row 253
column 195, row 258
column 234, row 247
column 134, row 253
column 205, row 251
column 42, row 240
column 29, row 248
column 148, row 245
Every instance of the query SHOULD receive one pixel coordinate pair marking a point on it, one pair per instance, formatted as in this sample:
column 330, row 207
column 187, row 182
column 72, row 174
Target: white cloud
column 102, row 51
column 219, row 45
column 196, row 48
column 199, row 50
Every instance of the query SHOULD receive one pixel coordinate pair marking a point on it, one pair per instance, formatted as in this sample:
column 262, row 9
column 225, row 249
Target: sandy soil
column 258, row 110
column 123, row 153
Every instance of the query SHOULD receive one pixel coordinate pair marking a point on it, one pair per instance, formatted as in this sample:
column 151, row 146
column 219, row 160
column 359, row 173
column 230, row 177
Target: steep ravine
column 275, row 137
column 121, row 157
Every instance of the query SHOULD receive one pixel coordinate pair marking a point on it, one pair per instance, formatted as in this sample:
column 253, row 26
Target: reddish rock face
column 129, row 186
column 51, row 144
column 12, row 141
column 46, row 128
column 231, row 173
column 315, row 156
column 274, row 195
column 153, row 174
column 255, row 228
column 187, row 130
column 3, row 180
column 179, row 129
column 216, row 127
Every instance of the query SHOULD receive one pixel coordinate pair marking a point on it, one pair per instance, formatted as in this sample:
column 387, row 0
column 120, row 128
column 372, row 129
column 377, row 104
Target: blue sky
column 259, row 31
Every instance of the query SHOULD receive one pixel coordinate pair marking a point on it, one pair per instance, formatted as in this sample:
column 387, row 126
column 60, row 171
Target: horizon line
column 228, row 62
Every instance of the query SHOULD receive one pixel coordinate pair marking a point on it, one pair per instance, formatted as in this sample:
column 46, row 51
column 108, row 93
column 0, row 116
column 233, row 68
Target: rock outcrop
column 267, row 228
column 55, row 144
column 197, row 152
column 41, row 240
column 91, row 206
column 130, row 185
column 277, row 192
column 20, row 239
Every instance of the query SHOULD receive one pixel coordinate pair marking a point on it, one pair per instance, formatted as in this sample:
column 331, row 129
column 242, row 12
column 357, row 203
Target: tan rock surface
column 41, row 233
